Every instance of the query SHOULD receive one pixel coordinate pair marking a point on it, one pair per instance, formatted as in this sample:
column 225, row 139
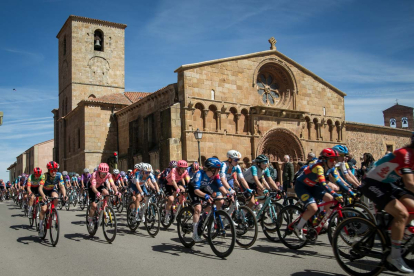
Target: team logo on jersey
column 304, row 197
column 309, row 182
column 384, row 171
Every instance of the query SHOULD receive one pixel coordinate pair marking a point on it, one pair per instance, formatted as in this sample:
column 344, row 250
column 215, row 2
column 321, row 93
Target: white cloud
column 35, row 56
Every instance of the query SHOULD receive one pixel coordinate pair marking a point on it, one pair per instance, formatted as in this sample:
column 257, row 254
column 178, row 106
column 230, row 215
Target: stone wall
column 44, row 154
column 72, row 157
column 374, row 139
column 398, row 112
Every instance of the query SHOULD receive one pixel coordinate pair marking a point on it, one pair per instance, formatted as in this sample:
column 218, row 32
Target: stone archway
column 278, row 142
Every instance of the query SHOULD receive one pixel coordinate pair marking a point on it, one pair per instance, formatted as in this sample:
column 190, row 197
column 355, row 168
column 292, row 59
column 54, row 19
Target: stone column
column 218, row 121
column 205, row 113
column 237, row 117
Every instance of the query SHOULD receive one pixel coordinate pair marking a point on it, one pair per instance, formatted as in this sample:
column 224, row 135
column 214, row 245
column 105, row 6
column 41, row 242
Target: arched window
column 98, row 40
column 92, row 96
column 393, row 122
column 198, row 117
column 244, row 121
column 404, row 122
column 213, row 95
column 211, row 119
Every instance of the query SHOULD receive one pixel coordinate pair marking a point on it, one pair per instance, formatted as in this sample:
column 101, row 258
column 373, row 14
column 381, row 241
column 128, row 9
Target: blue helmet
column 341, row 150
column 212, row 163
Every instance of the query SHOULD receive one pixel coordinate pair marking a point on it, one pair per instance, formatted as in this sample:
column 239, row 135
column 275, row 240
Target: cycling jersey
column 34, row 182
column 2, row 184
column 97, row 181
column 142, row 178
column 202, row 181
column 23, row 181
column 86, row 178
column 338, row 181
column 175, row 175
column 255, row 171
column 74, row 179
column 392, row 166
column 228, row 171
column 313, row 175
column 50, row 182
column 191, row 172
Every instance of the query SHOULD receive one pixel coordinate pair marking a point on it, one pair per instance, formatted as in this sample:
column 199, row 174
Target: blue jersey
column 334, row 173
column 191, row 172
column 201, row 181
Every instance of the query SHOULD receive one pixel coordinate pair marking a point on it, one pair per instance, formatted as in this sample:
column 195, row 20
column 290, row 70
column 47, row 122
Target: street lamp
column 198, row 135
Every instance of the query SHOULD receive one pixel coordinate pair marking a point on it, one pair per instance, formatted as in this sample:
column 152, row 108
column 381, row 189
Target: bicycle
column 72, row 198
column 178, row 204
column 290, row 215
column 361, row 247
column 84, row 199
column 104, row 216
column 245, row 222
column 51, row 222
column 217, row 223
column 34, row 216
column 152, row 217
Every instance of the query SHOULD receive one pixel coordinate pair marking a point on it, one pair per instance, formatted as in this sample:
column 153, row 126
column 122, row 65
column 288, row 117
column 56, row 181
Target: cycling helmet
column 8, row 182
column 122, row 173
column 52, row 165
column 195, row 166
column 157, row 172
column 96, row 169
column 37, row 172
column 129, row 171
column 182, row 164
column 233, row 154
column 146, row 168
column 173, row 164
column 103, row 168
column 1, row 180
column 116, row 171
column 138, row 166
column 212, row 163
column 85, row 170
column 149, row 166
column 77, row 175
column 341, row 150
column 64, row 173
column 261, row 158
column 328, row 153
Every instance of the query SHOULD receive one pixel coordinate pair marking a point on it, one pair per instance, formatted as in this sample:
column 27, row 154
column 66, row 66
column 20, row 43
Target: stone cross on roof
column 272, row 42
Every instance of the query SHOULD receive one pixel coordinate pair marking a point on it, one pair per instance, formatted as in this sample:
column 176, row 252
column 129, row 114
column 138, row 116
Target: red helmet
column 328, row 153
column 182, row 164
column 103, row 167
column 52, row 165
column 37, row 171
column 195, row 166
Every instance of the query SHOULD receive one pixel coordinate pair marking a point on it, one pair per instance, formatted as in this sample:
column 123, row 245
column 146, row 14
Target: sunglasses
column 236, row 160
column 53, row 171
column 147, row 172
column 332, row 160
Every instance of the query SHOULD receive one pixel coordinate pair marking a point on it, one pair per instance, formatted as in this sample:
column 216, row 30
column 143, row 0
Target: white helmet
column 85, row 170
column 116, row 171
column 233, row 154
column 149, row 166
column 138, row 166
column 65, row 173
column 146, row 168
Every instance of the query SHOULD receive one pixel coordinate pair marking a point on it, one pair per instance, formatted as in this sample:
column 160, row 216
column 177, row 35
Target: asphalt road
column 22, row 253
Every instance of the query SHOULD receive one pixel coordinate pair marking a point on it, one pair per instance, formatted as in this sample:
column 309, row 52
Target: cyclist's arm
column 258, row 184
column 225, row 183
column 335, row 178
column 41, row 192
column 138, row 186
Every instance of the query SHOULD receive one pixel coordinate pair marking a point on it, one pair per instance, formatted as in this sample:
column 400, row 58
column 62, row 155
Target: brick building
column 257, row 103
column 399, row 116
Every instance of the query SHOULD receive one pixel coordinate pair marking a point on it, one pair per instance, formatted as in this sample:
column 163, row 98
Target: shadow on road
column 314, row 273
column 80, row 237
column 283, row 251
column 178, row 250
column 21, row 227
column 32, row 239
column 17, row 215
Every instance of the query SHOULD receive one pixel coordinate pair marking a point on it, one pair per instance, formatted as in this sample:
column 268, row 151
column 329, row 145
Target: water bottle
column 318, row 219
column 409, row 230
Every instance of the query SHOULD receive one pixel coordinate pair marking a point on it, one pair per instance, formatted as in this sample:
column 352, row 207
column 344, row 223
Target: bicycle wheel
column 25, row 210
column 36, row 217
column 54, row 227
column 269, row 221
column 288, row 217
column 185, row 226
column 109, row 225
column 221, row 234
column 74, row 199
column 245, row 226
column 131, row 221
column 120, row 205
column 45, row 219
column 91, row 230
column 60, row 205
column 152, row 220
column 163, row 213
column 363, row 252
column 68, row 203
column 334, row 220
column 82, row 202
column 364, row 209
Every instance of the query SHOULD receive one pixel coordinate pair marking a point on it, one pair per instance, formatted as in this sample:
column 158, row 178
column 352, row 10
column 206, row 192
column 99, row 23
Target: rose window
column 268, row 88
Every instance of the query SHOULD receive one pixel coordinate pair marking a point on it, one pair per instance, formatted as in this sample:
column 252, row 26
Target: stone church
column 262, row 102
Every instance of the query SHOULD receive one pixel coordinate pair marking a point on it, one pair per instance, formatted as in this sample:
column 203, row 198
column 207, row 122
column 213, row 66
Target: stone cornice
column 90, row 20
column 362, row 126
column 263, row 53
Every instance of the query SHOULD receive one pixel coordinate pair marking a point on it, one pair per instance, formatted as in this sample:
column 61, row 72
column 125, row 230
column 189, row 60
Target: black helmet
column 261, row 158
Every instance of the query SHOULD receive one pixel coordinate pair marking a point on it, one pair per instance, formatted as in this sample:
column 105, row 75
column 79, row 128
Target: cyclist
column 33, row 182
column 66, row 179
column 311, row 186
column 85, row 179
column 74, row 180
column 23, row 183
column 162, row 180
column 98, row 186
column 9, row 187
column 259, row 179
column 344, row 170
column 2, row 187
column 176, row 182
column 202, row 186
column 230, row 172
column 193, row 169
column 48, row 188
column 152, row 182
column 396, row 201
column 137, row 191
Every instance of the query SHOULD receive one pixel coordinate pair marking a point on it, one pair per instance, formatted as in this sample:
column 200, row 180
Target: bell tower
column 91, row 60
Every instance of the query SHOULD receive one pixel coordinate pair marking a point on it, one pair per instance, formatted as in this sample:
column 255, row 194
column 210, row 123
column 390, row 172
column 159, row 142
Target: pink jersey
column 97, row 181
column 174, row 175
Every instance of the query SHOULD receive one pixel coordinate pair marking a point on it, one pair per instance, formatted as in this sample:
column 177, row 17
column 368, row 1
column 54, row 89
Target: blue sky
column 365, row 48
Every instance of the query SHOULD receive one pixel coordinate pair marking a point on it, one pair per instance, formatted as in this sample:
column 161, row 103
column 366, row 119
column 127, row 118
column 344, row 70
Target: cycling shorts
column 381, row 193
column 92, row 195
column 195, row 199
column 307, row 194
column 2, row 187
column 49, row 192
column 35, row 190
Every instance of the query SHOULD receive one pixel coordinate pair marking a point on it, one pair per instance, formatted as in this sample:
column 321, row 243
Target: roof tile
column 136, row 96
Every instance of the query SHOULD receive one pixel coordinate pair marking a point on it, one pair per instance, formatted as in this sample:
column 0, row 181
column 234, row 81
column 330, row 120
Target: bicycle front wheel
column 163, row 214
column 246, row 226
column 36, row 216
column 185, row 226
column 131, row 219
column 289, row 216
column 68, row 203
column 91, row 229
column 269, row 221
column 152, row 220
column 221, row 234
column 359, row 247
column 31, row 217
column 54, row 227
column 109, row 225
column 335, row 220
